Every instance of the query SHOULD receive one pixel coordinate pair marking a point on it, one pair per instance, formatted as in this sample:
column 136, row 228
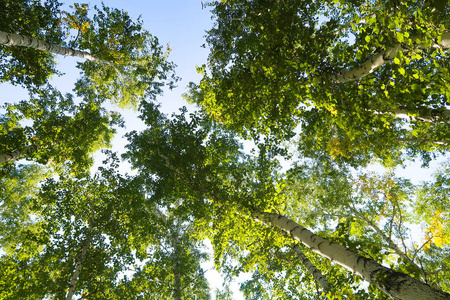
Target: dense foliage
column 362, row 79
column 33, row 18
column 317, row 89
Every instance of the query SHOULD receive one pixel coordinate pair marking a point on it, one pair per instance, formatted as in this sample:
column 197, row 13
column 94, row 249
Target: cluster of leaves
column 127, row 66
column 181, row 158
column 336, row 68
column 37, row 19
column 195, row 182
column 79, row 234
column 63, row 218
column 101, row 226
column 126, row 63
column 344, row 72
column 131, row 64
column 60, row 131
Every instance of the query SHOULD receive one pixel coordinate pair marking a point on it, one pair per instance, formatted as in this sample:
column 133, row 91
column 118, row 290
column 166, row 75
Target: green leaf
column 400, row 37
column 415, row 86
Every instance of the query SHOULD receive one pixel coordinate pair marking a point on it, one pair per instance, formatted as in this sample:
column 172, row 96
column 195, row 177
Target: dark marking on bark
column 318, row 246
column 293, row 229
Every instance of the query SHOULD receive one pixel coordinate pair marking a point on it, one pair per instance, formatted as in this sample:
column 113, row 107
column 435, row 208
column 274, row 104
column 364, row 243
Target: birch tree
column 231, row 191
column 373, row 70
column 122, row 63
column 68, row 223
column 27, row 66
column 375, row 210
column 76, row 237
column 431, row 211
column 172, row 262
column 394, row 284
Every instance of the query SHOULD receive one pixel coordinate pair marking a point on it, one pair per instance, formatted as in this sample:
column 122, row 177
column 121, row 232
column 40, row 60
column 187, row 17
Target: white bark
column 431, row 116
column 381, row 58
column 176, row 267
column 5, row 157
column 425, row 141
column 394, row 284
column 177, row 286
column 316, row 274
column 80, row 261
column 11, row 39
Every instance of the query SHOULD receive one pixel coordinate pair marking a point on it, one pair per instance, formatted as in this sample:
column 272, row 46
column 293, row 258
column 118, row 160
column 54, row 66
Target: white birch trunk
column 316, row 274
column 11, row 39
column 177, row 286
column 394, row 284
column 431, row 115
column 176, row 272
column 176, row 265
column 5, row 157
column 80, row 261
column 381, row 58
column 425, row 141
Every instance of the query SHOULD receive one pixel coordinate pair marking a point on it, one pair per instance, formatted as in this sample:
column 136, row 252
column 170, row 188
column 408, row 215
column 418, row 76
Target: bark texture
column 446, row 143
column 394, row 284
column 10, row 39
column 177, row 286
column 80, row 261
column 316, row 274
column 429, row 115
column 5, row 157
column 176, row 269
column 384, row 57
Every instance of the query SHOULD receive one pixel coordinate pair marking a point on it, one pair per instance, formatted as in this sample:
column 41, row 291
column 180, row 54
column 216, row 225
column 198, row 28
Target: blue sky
column 182, row 25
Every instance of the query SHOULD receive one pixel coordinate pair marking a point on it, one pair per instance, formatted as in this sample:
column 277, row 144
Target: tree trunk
column 5, row 157
column 80, row 261
column 425, row 141
column 316, row 274
column 430, row 115
column 176, row 266
column 381, row 58
column 394, row 284
column 177, row 286
column 10, row 39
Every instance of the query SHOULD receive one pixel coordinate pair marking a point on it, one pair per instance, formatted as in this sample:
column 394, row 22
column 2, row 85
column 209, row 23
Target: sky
column 182, row 25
